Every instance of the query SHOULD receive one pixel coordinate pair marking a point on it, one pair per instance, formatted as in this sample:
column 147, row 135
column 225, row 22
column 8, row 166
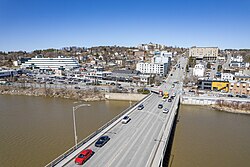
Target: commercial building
column 214, row 85
column 220, row 86
column 7, row 73
column 51, row 63
column 204, row 53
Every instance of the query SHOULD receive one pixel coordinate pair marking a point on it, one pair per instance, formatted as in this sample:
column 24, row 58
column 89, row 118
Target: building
column 242, row 78
column 159, row 65
column 7, row 73
column 153, row 68
column 239, row 88
column 220, row 86
column 204, row 84
column 236, row 59
column 199, row 70
column 51, row 63
column 214, row 85
column 204, row 53
column 227, row 76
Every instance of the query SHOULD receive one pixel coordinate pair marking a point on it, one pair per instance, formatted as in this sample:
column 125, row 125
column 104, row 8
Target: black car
column 169, row 100
column 172, row 97
column 243, row 96
column 101, row 141
column 160, row 106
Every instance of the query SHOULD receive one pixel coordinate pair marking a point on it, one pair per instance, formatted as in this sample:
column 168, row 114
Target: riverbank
column 227, row 104
column 57, row 93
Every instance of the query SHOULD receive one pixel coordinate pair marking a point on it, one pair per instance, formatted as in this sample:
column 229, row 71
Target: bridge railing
column 85, row 140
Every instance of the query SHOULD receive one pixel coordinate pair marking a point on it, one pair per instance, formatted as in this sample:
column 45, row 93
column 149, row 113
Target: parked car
column 165, row 110
column 125, row 119
column 140, row 107
column 101, row 141
column 169, row 100
column 77, row 87
column 83, row 156
column 243, row 96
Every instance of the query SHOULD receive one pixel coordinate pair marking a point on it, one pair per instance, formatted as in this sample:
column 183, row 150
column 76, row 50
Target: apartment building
column 159, row 65
column 239, row 88
column 204, row 53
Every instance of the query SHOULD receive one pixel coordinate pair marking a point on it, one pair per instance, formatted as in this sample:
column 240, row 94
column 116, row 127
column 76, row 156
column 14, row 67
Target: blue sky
column 40, row 24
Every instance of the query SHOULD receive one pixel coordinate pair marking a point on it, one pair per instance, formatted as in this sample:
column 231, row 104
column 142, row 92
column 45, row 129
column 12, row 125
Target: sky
column 40, row 24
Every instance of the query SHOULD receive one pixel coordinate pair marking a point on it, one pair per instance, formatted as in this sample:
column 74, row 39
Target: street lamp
column 74, row 119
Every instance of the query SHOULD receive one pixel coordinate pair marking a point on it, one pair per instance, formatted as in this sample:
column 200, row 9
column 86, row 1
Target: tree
column 209, row 65
column 219, row 68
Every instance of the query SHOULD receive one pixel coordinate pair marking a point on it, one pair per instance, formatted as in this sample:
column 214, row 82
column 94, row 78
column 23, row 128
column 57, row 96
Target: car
column 125, row 119
column 174, row 94
column 140, row 107
column 171, row 74
column 101, row 141
column 83, row 156
column 173, row 85
column 165, row 110
column 169, row 100
column 230, row 95
column 77, row 87
column 172, row 97
column 243, row 96
column 160, row 106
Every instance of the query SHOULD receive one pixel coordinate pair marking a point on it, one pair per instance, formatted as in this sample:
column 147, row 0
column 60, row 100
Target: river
column 209, row 138
column 35, row 130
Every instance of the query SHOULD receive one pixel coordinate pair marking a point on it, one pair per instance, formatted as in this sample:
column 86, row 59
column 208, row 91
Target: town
column 209, row 71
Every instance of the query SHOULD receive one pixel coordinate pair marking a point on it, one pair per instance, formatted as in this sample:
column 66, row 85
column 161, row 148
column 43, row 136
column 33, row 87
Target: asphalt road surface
column 131, row 144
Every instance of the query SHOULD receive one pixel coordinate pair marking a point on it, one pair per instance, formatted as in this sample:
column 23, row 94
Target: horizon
column 38, row 25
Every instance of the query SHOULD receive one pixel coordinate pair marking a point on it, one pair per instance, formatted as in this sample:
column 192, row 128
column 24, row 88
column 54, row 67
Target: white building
column 159, row 65
column 152, row 68
column 227, row 76
column 199, row 70
column 51, row 63
column 236, row 59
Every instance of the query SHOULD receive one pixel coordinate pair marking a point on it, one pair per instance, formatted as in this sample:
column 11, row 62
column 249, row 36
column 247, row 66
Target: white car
column 174, row 94
column 165, row 110
column 125, row 119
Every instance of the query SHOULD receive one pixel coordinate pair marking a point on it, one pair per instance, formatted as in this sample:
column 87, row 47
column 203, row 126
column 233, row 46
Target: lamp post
column 74, row 119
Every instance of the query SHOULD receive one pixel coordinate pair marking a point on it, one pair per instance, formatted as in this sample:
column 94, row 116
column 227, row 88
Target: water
column 209, row 138
column 35, row 130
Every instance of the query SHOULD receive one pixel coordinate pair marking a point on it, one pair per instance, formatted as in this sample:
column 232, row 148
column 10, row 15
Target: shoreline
column 54, row 93
column 223, row 109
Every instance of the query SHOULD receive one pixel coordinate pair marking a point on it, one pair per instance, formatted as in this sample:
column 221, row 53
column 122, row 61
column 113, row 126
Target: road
column 132, row 144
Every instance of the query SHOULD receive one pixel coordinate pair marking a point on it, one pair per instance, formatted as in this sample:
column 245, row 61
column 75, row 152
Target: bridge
column 142, row 141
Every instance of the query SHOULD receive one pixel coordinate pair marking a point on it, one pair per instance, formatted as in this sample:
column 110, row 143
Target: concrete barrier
column 124, row 96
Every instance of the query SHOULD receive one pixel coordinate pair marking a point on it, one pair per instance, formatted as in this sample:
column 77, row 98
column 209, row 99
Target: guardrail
column 71, row 150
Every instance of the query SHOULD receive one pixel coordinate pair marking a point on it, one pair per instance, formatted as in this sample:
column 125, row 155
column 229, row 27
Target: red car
column 83, row 156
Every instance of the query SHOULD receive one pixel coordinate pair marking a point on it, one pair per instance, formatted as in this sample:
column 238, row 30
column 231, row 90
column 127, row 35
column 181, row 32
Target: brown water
column 35, row 130
column 209, row 138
